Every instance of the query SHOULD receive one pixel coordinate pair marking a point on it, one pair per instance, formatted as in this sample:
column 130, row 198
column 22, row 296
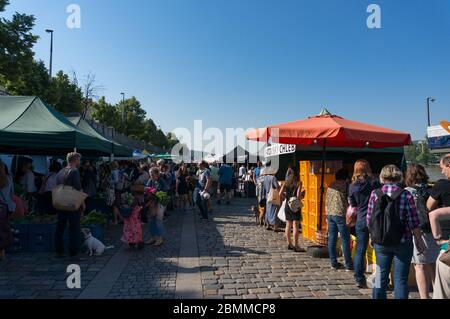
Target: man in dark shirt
column 440, row 193
column 69, row 176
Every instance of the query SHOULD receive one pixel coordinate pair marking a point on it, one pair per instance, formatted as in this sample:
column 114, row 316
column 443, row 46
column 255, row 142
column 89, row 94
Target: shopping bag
column 274, row 197
column 282, row 212
column 67, row 198
column 350, row 217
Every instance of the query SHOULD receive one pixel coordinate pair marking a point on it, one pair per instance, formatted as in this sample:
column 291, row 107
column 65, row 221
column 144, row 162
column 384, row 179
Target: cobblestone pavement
column 40, row 275
column 152, row 272
column 240, row 260
column 237, row 259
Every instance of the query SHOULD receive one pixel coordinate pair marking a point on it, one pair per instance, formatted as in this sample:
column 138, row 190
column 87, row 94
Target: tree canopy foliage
column 21, row 74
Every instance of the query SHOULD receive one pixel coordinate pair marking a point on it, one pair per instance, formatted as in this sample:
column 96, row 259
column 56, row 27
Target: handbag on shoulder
column 445, row 258
column 350, row 216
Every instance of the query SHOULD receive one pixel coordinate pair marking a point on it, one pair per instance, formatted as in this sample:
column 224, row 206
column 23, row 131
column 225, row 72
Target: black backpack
column 385, row 225
column 421, row 198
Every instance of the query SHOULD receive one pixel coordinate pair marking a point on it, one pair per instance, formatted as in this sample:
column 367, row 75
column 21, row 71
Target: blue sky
column 251, row 63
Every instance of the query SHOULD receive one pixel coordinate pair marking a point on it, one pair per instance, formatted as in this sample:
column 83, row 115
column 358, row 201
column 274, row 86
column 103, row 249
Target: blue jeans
column 401, row 254
column 362, row 240
column 203, row 206
column 156, row 227
column 336, row 224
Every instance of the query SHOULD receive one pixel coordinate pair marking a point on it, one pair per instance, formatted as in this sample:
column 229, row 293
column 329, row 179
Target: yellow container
column 311, row 185
column 370, row 257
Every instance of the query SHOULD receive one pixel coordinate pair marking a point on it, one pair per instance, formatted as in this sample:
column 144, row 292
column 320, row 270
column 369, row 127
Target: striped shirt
column 407, row 209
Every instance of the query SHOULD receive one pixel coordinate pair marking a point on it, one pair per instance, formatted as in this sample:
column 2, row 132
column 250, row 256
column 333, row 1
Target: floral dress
column 132, row 227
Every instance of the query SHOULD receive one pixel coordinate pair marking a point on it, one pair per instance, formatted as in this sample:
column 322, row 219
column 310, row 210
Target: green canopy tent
column 83, row 125
column 30, row 126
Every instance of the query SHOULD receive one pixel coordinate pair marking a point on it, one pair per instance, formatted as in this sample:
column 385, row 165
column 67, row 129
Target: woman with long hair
column 363, row 183
column 292, row 188
column 424, row 264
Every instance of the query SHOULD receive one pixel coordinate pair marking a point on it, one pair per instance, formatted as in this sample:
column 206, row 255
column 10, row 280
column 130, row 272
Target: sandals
column 299, row 249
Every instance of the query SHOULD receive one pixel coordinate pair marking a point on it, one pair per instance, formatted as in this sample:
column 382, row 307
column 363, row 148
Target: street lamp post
column 51, row 50
column 429, row 99
column 123, row 112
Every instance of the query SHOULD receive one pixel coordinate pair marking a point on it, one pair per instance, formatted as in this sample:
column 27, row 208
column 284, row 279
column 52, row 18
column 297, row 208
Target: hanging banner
column 279, row 149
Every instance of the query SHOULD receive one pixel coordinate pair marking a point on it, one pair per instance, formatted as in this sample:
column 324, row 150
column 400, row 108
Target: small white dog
column 95, row 246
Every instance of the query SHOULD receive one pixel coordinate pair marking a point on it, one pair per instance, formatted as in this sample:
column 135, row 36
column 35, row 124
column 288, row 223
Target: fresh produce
column 163, row 198
column 34, row 219
column 94, row 218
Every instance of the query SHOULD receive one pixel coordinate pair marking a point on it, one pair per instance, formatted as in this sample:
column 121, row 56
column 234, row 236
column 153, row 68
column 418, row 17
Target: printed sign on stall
column 279, row 149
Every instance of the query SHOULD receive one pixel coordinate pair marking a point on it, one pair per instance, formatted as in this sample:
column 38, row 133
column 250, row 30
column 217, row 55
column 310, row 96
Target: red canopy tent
column 330, row 130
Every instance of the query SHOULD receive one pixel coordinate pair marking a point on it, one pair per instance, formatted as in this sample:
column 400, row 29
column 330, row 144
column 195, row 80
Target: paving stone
column 257, row 291
column 226, row 292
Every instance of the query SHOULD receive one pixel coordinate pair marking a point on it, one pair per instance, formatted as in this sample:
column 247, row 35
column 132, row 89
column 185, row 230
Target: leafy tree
column 33, row 81
column 64, row 95
column 16, row 44
column 132, row 117
column 106, row 113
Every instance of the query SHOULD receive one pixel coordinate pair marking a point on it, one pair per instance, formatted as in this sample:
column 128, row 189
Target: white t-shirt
column 242, row 171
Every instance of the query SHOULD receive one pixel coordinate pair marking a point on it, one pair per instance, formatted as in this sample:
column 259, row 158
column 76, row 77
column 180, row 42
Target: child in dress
column 132, row 228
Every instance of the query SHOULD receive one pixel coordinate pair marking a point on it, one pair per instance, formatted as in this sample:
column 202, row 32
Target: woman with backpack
column 393, row 222
column 363, row 183
column 424, row 264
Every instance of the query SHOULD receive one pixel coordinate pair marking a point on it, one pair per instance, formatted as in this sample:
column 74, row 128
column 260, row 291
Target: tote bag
column 67, row 198
column 282, row 212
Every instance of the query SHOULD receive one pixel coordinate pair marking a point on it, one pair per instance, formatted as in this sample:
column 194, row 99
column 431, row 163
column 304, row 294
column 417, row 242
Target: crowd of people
column 185, row 187
column 397, row 214
column 392, row 213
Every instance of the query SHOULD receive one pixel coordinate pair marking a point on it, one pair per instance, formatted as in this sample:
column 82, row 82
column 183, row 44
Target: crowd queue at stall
column 396, row 214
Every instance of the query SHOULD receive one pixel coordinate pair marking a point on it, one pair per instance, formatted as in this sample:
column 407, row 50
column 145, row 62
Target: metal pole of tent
column 322, row 188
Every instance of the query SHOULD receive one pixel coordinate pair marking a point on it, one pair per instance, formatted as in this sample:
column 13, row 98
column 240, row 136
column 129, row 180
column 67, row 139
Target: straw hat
column 268, row 171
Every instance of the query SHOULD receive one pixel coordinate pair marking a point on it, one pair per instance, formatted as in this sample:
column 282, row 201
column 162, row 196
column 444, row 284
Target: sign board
column 279, row 149
column 439, row 136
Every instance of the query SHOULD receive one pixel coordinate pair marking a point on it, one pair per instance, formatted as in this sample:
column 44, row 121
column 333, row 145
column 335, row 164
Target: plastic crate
column 304, row 167
column 40, row 238
column 20, row 239
column 314, row 181
column 331, row 167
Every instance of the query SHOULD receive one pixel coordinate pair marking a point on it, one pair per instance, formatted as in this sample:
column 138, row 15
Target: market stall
column 29, row 126
column 329, row 137
column 84, row 126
